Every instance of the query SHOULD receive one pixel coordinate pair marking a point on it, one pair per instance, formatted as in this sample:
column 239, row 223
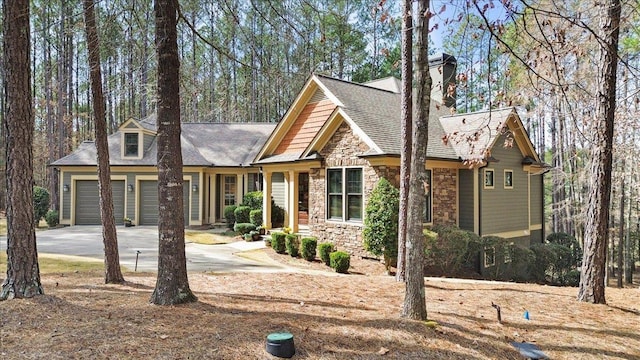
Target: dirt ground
column 331, row 316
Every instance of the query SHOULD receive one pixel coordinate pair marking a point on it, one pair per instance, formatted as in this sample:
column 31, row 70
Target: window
column 354, row 194
column 254, row 182
column 489, row 256
column 427, row 200
column 488, row 178
column 335, row 194
column 131, row 144
column 344, row 187
column 229, row 190
column 507, row 253
column 508, row 179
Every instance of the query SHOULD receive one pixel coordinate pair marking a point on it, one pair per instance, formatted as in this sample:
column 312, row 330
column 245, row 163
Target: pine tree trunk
column 172, row 285
column 23, row 272
column 407, row 118
column 112, row 271
column 414, row 300
column 592, row 286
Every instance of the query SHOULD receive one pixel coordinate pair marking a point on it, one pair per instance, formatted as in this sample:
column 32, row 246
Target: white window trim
column 343, row 219
column 484, row 179
column 507, row 253
column 140, row 145
column 504, row 181
column 486, row 263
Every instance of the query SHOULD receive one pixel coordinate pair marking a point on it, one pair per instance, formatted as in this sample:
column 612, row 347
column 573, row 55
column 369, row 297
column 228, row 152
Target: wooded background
column 246, row 60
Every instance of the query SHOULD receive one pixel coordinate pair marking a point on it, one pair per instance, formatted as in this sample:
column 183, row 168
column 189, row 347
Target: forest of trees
column 245, row 60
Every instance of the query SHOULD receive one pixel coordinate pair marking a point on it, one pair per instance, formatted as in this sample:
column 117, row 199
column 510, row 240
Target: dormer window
column 131, row 145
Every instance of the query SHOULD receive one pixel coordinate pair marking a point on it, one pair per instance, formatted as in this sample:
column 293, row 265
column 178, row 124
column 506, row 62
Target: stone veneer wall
column 445, row 199
column 342, row 151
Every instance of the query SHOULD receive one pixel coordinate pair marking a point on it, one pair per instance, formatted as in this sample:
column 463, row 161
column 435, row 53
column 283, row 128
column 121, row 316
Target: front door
column 303, row 198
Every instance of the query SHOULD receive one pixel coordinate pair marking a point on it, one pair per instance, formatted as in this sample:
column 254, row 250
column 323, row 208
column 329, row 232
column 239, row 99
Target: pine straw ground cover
column 330, row 316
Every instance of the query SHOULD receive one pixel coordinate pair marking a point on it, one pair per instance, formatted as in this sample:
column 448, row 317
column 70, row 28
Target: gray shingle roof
column 203, row 144
column 377, row 113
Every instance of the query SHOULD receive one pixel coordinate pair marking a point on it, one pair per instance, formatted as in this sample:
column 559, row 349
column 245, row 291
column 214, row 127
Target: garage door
column 149, row 202
column 87, row 211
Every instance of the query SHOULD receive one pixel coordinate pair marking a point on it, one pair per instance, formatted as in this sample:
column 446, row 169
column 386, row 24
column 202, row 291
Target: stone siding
column 445, row 196
column 342, row 151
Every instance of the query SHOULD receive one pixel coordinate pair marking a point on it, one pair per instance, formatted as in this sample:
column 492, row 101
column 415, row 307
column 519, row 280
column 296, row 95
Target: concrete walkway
column 86, row 241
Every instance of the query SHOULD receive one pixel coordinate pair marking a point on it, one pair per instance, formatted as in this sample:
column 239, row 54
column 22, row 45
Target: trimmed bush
column 243, row 228
column 229, row 215
column 278, row 242
column 325, row 250
column 255, row 216
column 308, row 248
column 380, row 231
column 53, row 218
column 339, row 261
column 253, row 200
column 242, row 214
column 544, row 256
column 292, row 244
column 41, row 202
column 451, row 251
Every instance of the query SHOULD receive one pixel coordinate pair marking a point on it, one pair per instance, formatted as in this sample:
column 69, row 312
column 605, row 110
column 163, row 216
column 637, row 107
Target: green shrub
column 230, row 216
column 278, row 242
column 292, row 244
column 568, row 256
column 339, row 261
column 519, row 268
column 242, row 214
column 243, row 228
column 544, row 256
column 572, row 278
column 277, row 215
column 380, row 231
column 41, row 202
column 308, row 248
column 255, row 216
column 53, row 218
column 253, row 200
column 500, row 247
column 325, row 249
column 451, row 251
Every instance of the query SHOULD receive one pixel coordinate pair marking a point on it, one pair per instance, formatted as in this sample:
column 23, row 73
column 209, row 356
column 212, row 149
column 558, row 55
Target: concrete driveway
column 86, row 241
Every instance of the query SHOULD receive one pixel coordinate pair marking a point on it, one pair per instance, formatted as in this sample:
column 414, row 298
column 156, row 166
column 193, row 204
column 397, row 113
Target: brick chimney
column 442, row 69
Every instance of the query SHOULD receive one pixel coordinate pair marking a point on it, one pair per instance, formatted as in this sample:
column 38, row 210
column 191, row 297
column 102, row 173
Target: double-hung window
column 131, row 144
column 344, row 194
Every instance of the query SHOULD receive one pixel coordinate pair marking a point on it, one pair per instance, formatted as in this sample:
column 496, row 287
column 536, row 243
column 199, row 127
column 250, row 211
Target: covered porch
column 288, row 185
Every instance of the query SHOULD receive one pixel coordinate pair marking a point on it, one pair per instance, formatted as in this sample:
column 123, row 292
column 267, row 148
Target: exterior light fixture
column 194, row 188
column 65, row 188
column 130, row 187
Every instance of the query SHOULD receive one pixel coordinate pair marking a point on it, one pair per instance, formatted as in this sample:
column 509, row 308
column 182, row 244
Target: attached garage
column 148, row 200
column 87, row 209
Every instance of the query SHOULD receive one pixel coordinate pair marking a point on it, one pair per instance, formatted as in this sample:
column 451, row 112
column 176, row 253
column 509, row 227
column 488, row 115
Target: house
column 339, row 138
column 217, row 171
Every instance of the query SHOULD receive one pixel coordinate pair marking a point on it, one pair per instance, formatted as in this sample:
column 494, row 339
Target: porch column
column 239, row 188
column 213, row 211
column 266, row 199
column 292, row 201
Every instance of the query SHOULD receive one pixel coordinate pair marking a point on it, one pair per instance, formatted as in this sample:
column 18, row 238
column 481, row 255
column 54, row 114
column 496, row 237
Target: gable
column 305, row 127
